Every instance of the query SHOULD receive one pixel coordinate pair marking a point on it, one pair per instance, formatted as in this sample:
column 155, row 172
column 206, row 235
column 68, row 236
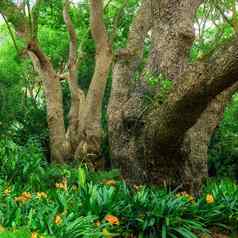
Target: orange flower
column 112, row 219
column 24, row 197
column 41, row 195
column 210, row 199
column 62, row 185
column 58, row 220
column 110, row 182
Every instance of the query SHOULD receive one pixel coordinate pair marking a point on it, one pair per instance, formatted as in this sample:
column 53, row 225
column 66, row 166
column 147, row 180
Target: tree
column 164, row 142
column 83, row 133
column 168, row 142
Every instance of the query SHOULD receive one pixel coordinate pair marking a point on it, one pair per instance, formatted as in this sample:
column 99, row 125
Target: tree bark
column 90, row 130
column 124, row 109
column 77, row 94
column 163, row 149
column 173, row 34
column 196, row 141
column 54, row 103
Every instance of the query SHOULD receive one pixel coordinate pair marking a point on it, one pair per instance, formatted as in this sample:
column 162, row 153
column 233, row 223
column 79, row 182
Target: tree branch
column 139, row 29
column 192, row 93
column 11, row 34
column 44, row 62
column 77, row 95
column 73, row 36
column 97, row 25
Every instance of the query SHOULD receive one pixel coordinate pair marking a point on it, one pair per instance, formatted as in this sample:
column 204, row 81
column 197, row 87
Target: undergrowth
column 40, row 200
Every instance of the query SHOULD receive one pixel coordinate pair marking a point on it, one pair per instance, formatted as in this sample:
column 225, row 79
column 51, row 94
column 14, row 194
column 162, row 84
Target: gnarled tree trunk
column 124, row 109
column 167, row 144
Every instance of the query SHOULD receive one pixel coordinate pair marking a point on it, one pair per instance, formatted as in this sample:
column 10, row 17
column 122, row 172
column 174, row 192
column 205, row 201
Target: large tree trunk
column 152, row 145
column 124, row 109
column 172, row 23
column 167, row 125
column 196, row 141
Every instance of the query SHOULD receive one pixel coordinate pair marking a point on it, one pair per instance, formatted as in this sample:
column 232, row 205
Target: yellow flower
column 7, row 191
column 58, row 220
column 41, row 195
column 190, row 198
column 62, row 185
column 112, row 219
column 36, row 235
column 210, row 199
column 24, row 197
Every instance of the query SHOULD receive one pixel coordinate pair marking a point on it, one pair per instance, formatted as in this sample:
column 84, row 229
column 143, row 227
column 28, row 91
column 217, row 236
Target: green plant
column 21, row 164
column 82, row 227
column 21, row 233
column 75, row 202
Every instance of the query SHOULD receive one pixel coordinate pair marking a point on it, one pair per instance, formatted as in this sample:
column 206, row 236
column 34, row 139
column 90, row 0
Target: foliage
column 212, row 27
column 18, row 233
column 70, row 201
column 11, row 81
column 65, row 201
column 20, row 164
